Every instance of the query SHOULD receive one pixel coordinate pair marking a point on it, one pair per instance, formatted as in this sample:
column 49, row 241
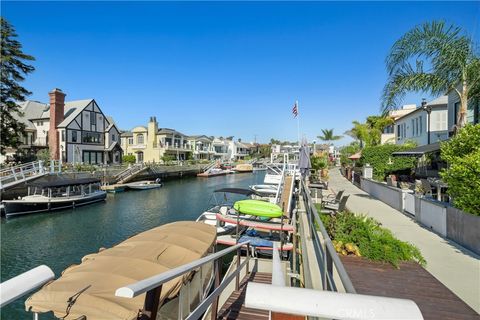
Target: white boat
column 210, row 216
column 55, row 194
column 144, row 185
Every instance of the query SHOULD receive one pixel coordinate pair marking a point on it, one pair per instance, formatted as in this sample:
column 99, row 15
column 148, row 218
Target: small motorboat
column 87, row 290
column 214, row 172
column 145, row 185
column 55, row 194
column 244, row 167
column 224, row 208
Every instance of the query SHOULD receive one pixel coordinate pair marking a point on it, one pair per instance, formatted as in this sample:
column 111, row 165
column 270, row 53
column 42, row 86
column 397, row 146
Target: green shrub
column 380, row 158
column 167, row 158
column 373, row 241
column 462, row 154
column 43, row 155
column 347, row 151
column 129, row 158
column 319, row 162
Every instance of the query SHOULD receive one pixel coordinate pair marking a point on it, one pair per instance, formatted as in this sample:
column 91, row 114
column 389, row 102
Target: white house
column 389, row 133
column 75, row 131
column 473, row 110
column 414, row 126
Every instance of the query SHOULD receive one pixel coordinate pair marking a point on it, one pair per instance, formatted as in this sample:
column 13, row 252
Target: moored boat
column 56, row 194
column 144, row 185
column 244, row 167
column 214, row 172
column 87, row 290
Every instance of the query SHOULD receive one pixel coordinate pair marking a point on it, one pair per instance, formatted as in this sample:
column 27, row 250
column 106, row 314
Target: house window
column 130, row 140
column 140, row 139
column 63, row 135
column 420, row 125
column 113, row 137
column 93, row 119
column 91, row 137
column 74, row 136
column 399, row 133
column 413, row 128
column 39, row 123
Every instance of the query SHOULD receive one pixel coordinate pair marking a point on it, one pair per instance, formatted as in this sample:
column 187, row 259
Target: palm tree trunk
column 462, row 115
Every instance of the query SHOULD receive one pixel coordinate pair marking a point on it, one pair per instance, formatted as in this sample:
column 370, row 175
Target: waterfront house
column 151, row 143
column 473, row 110
column 237, row 150
column 420, row 123
column 389, row 133
column 74, row 131
column 201, row 146
column 220, row 149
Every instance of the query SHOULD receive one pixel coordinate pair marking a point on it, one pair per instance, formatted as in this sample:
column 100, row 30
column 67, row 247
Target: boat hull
column 19, row 207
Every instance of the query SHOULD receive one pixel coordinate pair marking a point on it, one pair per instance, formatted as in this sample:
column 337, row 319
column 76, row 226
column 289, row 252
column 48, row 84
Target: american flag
column 295, row 110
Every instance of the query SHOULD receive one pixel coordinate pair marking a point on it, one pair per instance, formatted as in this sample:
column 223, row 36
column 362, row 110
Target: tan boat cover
column 139, row 257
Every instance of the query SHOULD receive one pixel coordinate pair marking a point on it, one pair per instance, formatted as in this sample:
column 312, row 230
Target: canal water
column 62, row 238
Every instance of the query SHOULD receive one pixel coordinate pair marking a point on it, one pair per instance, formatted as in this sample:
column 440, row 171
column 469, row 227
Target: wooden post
column 152, row 300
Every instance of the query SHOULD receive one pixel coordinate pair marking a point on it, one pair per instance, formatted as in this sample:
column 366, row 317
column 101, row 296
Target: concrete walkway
column 454, row 266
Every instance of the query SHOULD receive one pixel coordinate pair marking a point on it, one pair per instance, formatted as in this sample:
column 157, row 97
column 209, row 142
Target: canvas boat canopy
column 418, row 151
column 246, row 192
column 55, row 182
column 91, row 285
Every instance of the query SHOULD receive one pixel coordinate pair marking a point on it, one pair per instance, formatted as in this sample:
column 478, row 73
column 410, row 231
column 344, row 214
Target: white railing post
column 24, row 283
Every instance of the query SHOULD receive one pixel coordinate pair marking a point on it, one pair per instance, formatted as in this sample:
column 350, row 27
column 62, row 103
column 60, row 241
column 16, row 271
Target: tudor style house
column 74, row 131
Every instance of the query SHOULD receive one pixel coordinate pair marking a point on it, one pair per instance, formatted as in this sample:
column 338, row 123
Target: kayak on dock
column 258, row 208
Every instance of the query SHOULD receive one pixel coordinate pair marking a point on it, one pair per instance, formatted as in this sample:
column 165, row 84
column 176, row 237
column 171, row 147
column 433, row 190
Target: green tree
column 129, row 159
column 347, row 151
column 433, row 58
column 44, row 155
column 167, row 158
column 462, row 154
column 13, row 70
column 328, row 136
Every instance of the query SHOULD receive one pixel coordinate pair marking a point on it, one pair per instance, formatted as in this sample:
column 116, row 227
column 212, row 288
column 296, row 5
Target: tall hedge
column 379, row 157
column 462, row 154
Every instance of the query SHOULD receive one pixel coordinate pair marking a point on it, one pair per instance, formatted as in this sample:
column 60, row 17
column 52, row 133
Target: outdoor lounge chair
column 427, row 188
column 333, row 208
column 331, row 199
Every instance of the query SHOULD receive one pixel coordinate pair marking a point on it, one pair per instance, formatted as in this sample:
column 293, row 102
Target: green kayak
column 258, row 208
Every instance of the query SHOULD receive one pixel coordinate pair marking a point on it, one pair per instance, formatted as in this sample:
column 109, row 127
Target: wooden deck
column 234, row 306
column 412, row 282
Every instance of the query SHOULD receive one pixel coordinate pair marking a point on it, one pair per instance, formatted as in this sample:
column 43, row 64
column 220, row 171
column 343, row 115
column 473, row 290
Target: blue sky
column 223, row 68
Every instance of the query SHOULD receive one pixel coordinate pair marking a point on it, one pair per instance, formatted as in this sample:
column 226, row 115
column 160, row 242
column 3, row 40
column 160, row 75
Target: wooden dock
column 412, row 282
column 234, row 307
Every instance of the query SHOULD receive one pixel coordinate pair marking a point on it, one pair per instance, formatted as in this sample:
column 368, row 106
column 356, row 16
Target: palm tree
column 328, row 136
column 433, row 58
column 360, row 132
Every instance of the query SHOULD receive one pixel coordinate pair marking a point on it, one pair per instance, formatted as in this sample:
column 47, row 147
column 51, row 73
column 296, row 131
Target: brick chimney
column 57, row 112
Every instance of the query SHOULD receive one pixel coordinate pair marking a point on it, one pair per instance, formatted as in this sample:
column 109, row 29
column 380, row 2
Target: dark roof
column 55, row 182
column 246, row 192
column 418, row 151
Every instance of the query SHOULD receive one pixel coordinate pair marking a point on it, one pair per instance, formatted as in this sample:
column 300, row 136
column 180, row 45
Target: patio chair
column 334, row 208
column 427, row 188
column 331, row 199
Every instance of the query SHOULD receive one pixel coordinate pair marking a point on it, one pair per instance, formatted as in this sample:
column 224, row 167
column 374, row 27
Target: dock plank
column 412, row 282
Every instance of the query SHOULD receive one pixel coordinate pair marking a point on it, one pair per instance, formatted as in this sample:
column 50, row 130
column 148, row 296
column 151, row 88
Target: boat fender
column 222, row 223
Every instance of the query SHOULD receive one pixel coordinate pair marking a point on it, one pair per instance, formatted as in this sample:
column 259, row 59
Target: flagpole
column 298, row 122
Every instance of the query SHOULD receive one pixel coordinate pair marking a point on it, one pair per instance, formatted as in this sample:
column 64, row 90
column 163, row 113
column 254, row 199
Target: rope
column 71, row 301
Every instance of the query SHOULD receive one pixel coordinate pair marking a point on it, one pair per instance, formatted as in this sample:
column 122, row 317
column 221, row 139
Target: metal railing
column 153, row 285
column 24, row 283
column 16, row 174
column 130, row 171
column 325, row 254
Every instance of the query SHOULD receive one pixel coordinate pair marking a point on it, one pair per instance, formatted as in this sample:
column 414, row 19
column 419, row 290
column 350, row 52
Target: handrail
column 329, row 255
column 24, row 283
column 329, row 305
column 142, row 286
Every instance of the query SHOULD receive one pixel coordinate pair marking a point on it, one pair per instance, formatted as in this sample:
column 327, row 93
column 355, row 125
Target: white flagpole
column 298, row 122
